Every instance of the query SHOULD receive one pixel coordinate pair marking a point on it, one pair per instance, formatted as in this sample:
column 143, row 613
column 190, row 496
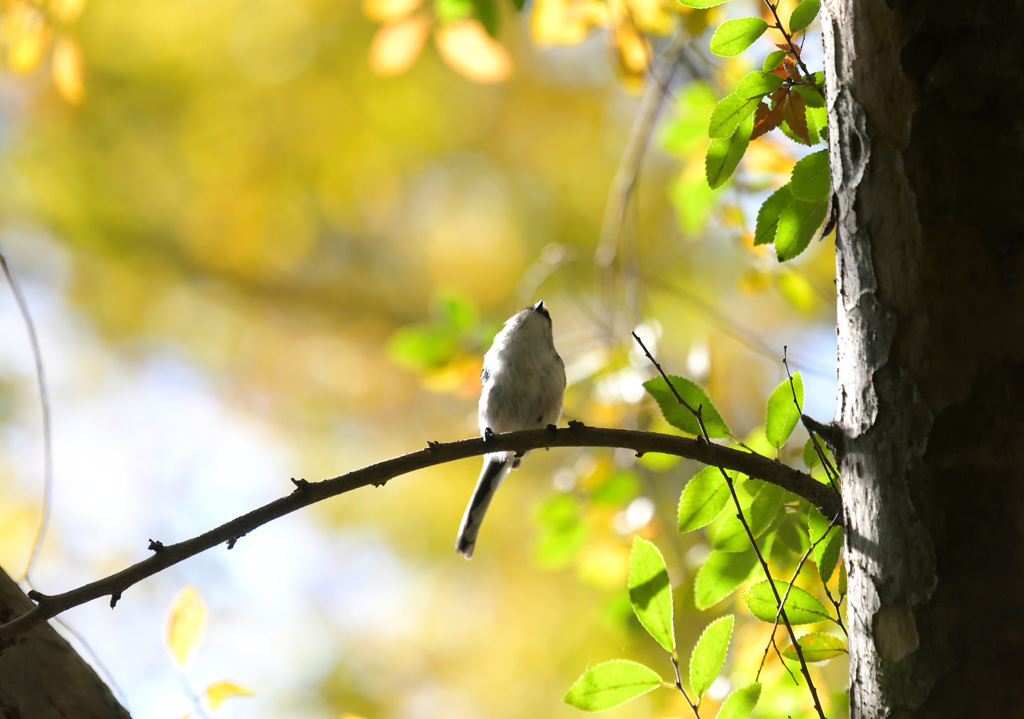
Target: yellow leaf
column 186, row 625
column 67, row 69
column 384, row 11
column 397, row 45
column 467, row 48
column 634, row 53
column 653, row 16
column 219, row 692
column 66, row 11
column 565, row 22
column 27, row 35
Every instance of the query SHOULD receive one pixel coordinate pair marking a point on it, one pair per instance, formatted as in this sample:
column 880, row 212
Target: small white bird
column 523, row 387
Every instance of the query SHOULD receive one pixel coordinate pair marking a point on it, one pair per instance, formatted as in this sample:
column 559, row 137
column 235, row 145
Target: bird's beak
column 538, row 307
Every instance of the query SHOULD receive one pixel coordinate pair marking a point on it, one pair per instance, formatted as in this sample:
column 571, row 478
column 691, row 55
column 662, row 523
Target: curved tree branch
column 307, row 493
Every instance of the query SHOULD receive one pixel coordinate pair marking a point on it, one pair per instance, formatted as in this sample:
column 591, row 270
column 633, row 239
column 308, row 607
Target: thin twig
column 830, row 471
column 44, row 401
column 792, row 48
column 799, row 566
column 750, row 535
column 679, row 686
column 307, row 493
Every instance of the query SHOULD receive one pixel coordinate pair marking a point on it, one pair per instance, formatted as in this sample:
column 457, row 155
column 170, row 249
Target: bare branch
column 307, row 493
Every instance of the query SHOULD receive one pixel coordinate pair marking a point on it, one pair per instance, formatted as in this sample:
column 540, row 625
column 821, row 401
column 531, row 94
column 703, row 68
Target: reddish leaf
column 765, row 119
column 794, row 112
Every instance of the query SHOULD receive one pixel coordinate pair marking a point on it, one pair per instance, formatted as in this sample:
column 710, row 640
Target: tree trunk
column 41, row 675
column 927, row 150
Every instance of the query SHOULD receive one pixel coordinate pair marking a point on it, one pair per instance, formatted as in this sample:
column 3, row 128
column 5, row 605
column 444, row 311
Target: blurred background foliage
column 273, row 238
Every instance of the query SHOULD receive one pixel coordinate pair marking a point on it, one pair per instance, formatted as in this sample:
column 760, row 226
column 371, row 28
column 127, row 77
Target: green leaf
column 701, row 4
column 817, row 647
column 708, row 655
column 761, row 503
column 782, row 410
column 725, row 154
column 811, row 458
column 720, row 575
column 730, row 111
column 617, row 489
column 610, row 684
column 826, row 553
column 734, row 36
column 451, row 10
column 797, row 225
column 679, row 416
column 842, row 580
column 811, row 181
column 757, row 84
column 802, row 607
column 488, row 15
column 772, row 61
column 768, row 216
column 650, row 592
column 702, row 499
column 741, row 702
column 803, row 15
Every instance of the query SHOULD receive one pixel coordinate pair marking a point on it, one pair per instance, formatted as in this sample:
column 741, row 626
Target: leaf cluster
column 734, row 510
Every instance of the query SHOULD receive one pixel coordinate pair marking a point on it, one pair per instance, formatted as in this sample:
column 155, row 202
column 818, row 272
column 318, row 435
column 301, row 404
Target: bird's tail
column 491, row 477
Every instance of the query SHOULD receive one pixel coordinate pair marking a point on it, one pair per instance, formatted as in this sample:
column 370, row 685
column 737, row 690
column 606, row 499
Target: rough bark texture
column 927, row 150
column 41, row 675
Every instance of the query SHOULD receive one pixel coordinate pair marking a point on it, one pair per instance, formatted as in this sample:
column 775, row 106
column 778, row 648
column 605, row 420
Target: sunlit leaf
column 219, row 692
column 826, row 553
column 769, row 213
column 650, row 592
column 186, row 625
column 702, row 499
column 802, row 607
column 760, row 503
column 741, row 702
column 811, row 181
column 730, row 111
column 725, row 154
column 467, row 48
column 734, row 36
column 720, row 575
column 708, row 655
column 757, row 84
column 396, row 46
column 678, row 415
column 772, row 60
column 610, row 684
column 803, row 15
column 797, row 226
column 817, row 647
column 783, row 413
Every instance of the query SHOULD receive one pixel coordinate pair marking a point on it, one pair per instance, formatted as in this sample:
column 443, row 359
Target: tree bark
column 41, row 675
column 927, row 148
